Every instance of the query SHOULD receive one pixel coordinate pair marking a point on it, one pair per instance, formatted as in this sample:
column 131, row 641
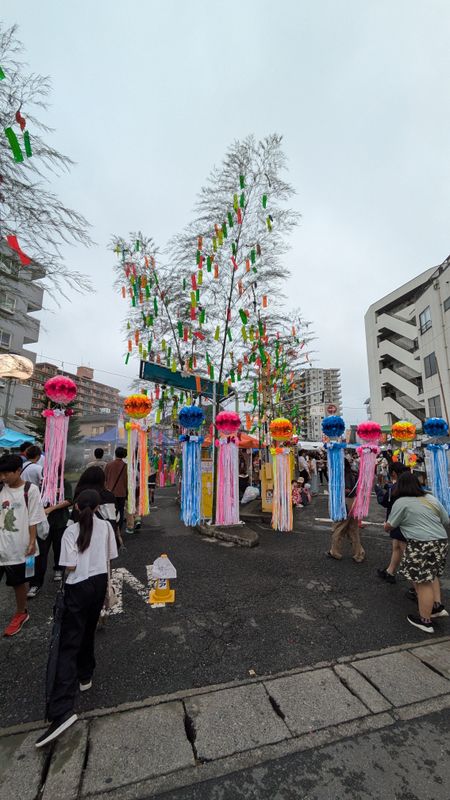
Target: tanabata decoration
column 370, row 432
column 403, row 431
column 14, row 244
column 436, row 428
column 227, row 498
column 190, row 419
column 60, row 390
column 333, row 427
column 137, row 406
column 282, row 519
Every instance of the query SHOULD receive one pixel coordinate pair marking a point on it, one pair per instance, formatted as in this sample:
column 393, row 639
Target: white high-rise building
column 408, row 340
column 320, row 395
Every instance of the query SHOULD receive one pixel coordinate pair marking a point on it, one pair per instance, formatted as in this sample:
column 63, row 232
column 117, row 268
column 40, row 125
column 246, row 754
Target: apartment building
column 92, row 398
column 320, row 395
column 408, row 340
column 20, row 298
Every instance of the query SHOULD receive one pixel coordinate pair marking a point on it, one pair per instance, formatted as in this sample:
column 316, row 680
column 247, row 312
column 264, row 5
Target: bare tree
column 30, row 210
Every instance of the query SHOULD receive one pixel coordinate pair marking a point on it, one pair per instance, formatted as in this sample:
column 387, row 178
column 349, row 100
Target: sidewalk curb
column 237, row 534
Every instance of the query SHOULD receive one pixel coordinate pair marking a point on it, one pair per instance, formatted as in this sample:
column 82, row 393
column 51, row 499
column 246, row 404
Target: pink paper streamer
column 56, row 428
column 227, row 511
column 368, row 456
column 282, row 519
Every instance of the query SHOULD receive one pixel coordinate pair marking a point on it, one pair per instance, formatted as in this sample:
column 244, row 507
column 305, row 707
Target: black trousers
column 53, row 540
column 76, row 660
column 120, row 506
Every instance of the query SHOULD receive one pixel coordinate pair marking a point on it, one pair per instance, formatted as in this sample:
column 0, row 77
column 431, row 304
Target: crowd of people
column 85, row 530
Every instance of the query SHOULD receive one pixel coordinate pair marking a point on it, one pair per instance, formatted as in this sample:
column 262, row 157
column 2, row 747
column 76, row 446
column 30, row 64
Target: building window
column 447, row 304
column 430, row 365
column 434, row 406
column 7, row 303
column 5, row 340
column 425, row 320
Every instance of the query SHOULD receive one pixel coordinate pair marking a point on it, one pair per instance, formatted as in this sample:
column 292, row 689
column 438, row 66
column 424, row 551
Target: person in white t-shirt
column 87, row 547
column 20, row 512
column 32, row 470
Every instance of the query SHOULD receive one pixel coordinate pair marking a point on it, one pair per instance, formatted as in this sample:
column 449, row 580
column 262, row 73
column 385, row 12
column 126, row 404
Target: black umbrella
column 53, row 652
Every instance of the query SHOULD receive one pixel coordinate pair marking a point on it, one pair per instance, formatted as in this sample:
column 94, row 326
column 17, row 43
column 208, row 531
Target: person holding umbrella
column 86, row 549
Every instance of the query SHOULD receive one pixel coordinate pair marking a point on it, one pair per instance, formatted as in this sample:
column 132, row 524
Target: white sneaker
column 84, row 687
column 33, row 591
column 58, row 575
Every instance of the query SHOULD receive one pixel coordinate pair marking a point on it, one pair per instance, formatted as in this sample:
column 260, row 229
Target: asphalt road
column 409, row 761
column 267, row 609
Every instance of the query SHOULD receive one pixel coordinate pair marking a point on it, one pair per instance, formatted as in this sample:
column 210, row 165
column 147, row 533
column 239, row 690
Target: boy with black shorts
column 20, row 512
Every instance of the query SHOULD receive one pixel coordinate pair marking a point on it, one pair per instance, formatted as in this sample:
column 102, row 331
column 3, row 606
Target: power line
column 72, row 364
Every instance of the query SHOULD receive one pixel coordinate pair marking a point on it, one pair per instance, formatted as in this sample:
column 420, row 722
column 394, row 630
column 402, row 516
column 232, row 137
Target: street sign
column 331, row 408
column 157, row 373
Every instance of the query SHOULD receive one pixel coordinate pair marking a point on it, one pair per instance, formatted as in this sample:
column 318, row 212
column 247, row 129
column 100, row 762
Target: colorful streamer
column 191, row 480
column 282, row 517
column 227, row 497
column 439, row 473
column 55, row 444
column 367, row 462
column 336, row 481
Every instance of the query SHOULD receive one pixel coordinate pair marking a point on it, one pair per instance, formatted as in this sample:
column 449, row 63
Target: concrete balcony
column 393, row 410
column 402, row 384
column 387, row 348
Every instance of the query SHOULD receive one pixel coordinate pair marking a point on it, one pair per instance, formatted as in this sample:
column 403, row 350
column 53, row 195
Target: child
column 86, row 549
column 20, row 512
column 296, row 495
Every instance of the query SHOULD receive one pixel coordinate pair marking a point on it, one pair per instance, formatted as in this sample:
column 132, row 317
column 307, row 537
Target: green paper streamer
column 14, row 144
column 184, row 284
column 208, row 263
column 137, row 245
column 264, row 201
column 198, row 256
column 197, row 295
column 242, row 200
column 224, row 230
column 155, row 306
column 242, row 181
column 253, row 256
column 243, row 316
column 127, row 358
column 260, row 328
column 147, row 292
column 232, row 376
column 150, row 321
column 27, row 143
column 234, row 248
column 2, row 74
column 229, row 335
column 133, row 302
column 202, row 316
column 230, row 220
column 180, row 329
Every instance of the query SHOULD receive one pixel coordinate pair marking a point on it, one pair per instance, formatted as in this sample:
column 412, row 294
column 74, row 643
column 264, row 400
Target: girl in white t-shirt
column 87, row 546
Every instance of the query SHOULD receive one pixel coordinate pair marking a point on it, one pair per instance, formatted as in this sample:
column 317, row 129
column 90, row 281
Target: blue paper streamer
column 439, row 474
column 336, row 481
column 191, row 481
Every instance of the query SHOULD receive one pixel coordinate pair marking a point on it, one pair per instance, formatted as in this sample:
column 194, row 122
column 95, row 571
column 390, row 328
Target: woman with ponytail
column 87, row 547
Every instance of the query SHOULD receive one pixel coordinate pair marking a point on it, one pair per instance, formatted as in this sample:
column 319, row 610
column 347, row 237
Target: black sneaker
column 411, row 594
column 414, row 619
column 439, row 611
column 383, row 573
column 57, row 727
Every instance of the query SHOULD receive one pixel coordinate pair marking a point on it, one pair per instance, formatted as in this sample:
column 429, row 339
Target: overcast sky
column 148, row 95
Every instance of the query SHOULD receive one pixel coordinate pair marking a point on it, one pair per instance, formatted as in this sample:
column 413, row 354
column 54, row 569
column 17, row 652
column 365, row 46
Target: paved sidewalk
column 141, row 750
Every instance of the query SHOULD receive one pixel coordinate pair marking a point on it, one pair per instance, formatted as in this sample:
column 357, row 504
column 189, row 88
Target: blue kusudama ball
column 435, row 426
column 333, row 426
column 191, row 417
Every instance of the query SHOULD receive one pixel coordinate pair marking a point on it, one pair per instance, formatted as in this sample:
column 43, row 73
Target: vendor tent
column 12, row 438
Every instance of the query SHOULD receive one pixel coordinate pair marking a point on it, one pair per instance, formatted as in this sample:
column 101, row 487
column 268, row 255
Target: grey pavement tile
column 66, row 766
column 362, row 688
column 130, row 747
column 313, row 700
column 21, row 766
column 234, row 720
column 402, row 678
column 437, row 656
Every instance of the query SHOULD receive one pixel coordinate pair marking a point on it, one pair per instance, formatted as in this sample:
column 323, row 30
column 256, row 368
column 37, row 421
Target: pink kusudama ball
column 369, row 431
column 60, row 389
column 228, row 422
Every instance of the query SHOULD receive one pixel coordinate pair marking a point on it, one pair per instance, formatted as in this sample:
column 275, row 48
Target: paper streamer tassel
column 239, row 216
column 14, row 244
column 243, row 316
column 264, row 201
column 242, row 200
column 242, row 181
column 217, row 333
column 27, row 143
column 14, row 144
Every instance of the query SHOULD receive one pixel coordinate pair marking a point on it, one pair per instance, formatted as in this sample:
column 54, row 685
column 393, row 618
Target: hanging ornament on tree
column 137, row 406
column 227, row 498
column 61, row 391
column 281, row 430
column 190, row 419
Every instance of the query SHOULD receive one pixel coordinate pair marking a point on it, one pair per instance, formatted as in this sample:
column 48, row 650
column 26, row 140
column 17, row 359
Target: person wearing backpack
column 87, row 548
column 116, row 480
column 21, row 512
